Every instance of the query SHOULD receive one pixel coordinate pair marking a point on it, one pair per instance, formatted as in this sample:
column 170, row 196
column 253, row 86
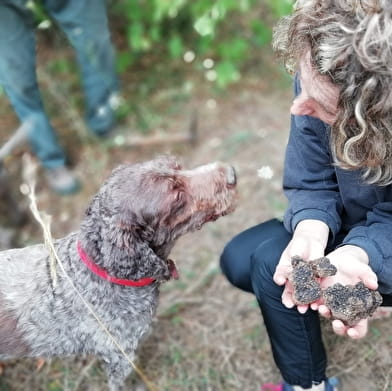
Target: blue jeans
column 85, row 24
column 249, row 261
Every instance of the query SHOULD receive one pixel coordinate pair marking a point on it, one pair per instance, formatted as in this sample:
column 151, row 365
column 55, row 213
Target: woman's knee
column 236, row 260
column 236, row 268
column 263, row 264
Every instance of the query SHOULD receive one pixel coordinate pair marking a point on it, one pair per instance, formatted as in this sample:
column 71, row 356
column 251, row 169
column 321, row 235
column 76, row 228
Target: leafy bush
column 218, row 36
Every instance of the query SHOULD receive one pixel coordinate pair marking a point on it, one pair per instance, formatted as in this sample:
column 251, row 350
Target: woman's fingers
column 280, row 276
column 283, row 271
column 359, row 330
column 287, row 295
column 355, row 332
column 287, row 299
column 339, row 327
column 302, row 308
column 369, row 279
column 324, row 311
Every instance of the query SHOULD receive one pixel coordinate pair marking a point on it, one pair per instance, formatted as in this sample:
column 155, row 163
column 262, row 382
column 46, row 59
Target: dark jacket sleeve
column 375, row 237
column 309, row 180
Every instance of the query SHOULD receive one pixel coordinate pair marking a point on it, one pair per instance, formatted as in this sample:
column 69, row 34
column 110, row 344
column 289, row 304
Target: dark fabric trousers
column 249, row 261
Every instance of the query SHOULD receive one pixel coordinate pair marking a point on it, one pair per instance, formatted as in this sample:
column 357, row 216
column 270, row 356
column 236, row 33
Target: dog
column 117, row 261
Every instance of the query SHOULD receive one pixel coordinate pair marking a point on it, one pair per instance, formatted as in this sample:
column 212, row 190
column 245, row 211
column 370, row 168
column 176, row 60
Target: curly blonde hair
column 350, row 41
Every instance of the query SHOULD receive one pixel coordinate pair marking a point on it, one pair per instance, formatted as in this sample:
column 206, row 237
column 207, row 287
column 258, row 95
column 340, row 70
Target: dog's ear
column 150, row 264
column 134, row 252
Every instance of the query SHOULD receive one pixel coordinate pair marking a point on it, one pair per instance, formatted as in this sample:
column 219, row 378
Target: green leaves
column 175, row 46
column 124, row 61
column 226, row 31
column 138, row 40
column 281, row 7
column 227, row 73
column 261, row 33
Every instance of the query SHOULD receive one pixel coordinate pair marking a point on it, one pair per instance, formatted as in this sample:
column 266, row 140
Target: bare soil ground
column 207, row 335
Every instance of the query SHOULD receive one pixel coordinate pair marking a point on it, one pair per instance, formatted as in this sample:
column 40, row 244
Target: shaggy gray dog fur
column 128, row 230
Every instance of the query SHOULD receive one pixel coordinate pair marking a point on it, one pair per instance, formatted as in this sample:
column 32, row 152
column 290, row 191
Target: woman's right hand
column 309, row 242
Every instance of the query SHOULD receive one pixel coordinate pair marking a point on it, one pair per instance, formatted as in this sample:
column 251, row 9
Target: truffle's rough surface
column 306, row 286
column 322, row 267
column 351, row 303
column 304, row 278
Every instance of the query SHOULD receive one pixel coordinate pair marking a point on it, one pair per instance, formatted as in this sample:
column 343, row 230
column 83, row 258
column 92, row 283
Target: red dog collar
column 104, row 274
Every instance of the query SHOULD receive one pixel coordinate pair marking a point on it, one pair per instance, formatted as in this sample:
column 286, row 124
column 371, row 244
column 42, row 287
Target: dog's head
column 153, row 203
column 161, row 201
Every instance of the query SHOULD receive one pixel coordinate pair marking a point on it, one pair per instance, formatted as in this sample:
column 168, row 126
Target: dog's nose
column 231, row 176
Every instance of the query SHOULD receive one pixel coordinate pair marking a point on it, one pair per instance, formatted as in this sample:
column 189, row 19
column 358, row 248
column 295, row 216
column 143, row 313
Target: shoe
column 103, row 120
column 62, row 181
column 330, row 385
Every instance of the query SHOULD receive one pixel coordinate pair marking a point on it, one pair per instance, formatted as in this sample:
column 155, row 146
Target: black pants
column 249, row 261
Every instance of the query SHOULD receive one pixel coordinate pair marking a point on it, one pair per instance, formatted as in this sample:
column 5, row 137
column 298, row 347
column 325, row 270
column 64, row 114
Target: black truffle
column 304, row 278
column 306, row 288
column 351, row 303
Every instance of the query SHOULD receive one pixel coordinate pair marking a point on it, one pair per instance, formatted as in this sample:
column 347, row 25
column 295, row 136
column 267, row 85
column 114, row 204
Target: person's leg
column 18, row 77
column 235, row 260
column 86, row 25
column 295, row 338
column 387, row 301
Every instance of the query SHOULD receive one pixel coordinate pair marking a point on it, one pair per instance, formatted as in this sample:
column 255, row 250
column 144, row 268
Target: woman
column 337, row 178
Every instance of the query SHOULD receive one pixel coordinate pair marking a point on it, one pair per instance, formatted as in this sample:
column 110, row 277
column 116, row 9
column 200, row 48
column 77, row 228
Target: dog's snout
column 231, row 176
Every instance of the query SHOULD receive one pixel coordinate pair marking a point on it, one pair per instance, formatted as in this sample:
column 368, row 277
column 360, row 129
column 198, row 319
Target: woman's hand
column 352, row 266
column 309, row 241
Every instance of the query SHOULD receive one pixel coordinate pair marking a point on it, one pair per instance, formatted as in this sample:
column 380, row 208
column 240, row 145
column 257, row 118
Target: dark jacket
column 356, row 213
